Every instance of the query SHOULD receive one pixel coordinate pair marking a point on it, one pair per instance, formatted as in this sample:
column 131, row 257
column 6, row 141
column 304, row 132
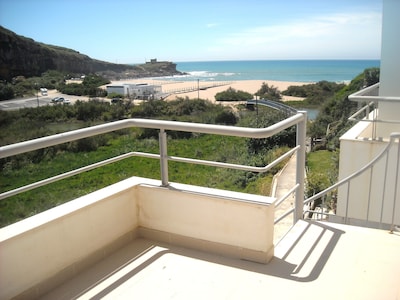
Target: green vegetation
column 89, row 87
column 322, row 167
column 22, row 87
column 269, row 92
column 315, row 94
column 332, row 120
column 23, row 56
column 233, row 95
column 265, row 92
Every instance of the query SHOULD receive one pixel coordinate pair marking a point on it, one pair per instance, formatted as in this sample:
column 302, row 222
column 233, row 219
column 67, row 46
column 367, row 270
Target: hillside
column 21, row 56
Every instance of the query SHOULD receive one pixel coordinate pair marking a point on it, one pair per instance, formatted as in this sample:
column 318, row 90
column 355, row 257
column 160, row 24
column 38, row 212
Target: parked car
column 116, row 100
column 43, row 91
column 66, row 101
column 57, row 100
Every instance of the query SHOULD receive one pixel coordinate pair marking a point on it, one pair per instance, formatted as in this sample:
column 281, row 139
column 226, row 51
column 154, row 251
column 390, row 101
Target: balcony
column 373, row 124
column 157, row 239
column 372, row 199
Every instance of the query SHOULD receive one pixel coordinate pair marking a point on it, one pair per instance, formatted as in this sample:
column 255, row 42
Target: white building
column 136, row 91
column 373, row 197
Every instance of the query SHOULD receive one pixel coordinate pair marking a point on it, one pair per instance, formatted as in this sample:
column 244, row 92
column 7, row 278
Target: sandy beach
column 208, row 89
column 193, row 89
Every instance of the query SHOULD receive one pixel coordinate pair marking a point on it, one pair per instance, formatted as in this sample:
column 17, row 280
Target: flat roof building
column 136, row 91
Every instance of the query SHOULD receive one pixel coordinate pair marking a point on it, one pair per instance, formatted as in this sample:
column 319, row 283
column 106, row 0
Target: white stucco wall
column 371, row 194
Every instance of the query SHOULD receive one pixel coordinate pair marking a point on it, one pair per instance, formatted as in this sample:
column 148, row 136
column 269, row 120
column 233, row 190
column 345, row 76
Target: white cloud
column 328, row 35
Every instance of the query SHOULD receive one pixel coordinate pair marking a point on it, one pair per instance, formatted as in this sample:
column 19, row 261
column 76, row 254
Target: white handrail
column 299, row 120
column 393, row 137
column 65, row 137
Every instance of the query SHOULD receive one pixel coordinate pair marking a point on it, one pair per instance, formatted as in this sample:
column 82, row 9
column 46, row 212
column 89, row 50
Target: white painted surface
column 39, row 248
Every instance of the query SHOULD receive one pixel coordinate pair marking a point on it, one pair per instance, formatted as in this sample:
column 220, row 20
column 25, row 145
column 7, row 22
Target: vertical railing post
column 300, row 167
column 163, row 157
column 392, row 227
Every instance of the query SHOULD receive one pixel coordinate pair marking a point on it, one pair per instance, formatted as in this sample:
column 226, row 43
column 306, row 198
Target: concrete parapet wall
column 42, row 251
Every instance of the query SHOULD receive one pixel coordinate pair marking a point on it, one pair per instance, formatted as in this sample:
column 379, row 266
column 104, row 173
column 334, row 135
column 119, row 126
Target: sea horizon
column 292, row 70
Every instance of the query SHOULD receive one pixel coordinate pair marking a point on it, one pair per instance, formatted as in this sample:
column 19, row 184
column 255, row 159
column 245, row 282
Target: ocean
column 279, row 70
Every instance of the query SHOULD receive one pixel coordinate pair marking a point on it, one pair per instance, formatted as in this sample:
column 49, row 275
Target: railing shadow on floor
column 303, row 255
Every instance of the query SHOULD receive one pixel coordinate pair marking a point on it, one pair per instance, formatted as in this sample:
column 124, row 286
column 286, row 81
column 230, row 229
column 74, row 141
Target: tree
column 284, row 138
column 94, row 80
column 337, row 108
column 269, row 92
column 371, row 76
column 226, row 117
column 316, row 93
column 6, row 91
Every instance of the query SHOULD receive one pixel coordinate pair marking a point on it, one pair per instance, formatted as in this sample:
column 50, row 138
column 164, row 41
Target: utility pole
column 37, row 94
column 256, row 110
column 198, row 89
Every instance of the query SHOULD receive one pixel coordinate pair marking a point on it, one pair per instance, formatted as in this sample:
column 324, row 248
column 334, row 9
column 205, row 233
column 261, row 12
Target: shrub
column 269, row 92
column 233, row 95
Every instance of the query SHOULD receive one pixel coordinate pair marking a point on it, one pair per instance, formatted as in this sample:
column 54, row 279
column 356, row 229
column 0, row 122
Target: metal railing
column 383, row 155
column 299, row 120
column 370, row 111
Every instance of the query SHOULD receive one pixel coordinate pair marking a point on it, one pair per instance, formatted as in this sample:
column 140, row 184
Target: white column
column 390, row 67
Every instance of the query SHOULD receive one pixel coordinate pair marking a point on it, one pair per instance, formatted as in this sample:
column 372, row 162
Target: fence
column 298, row 120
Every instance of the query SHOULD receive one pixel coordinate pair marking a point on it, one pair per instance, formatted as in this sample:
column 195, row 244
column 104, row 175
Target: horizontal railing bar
column 364, row 92
column 362, row 95
column 65, row 137
column 373, row 98
column 376, row 121
column 284, row 215
column 146, row 155
column 74, row 172
column 214, row 164
column 65, row 175
column 318, row 212
column 284, row 197
column 364, row 108
column 235, row 166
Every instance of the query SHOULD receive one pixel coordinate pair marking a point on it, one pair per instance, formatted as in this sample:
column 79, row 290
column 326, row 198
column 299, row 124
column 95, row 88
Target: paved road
column 22, row 103
column 43, row 100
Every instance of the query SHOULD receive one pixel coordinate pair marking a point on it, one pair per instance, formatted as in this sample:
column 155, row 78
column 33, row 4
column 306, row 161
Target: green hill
column 21, row 56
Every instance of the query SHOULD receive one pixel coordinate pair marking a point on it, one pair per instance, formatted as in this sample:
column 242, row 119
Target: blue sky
column 133, row 31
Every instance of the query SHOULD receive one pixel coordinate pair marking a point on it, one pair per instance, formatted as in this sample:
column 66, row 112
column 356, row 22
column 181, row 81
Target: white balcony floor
column 313, row 261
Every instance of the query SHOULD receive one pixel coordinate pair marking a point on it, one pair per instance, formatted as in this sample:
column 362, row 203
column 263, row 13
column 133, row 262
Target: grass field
column 320, row 161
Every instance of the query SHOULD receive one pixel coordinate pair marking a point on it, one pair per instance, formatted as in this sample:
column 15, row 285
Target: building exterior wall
column 373, row 196
column 390, row 67
column 370, row 196
column 136, row 91
column 117, row 89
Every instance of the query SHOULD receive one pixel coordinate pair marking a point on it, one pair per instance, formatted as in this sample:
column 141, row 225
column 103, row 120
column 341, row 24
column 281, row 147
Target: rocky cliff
column 23, row 56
